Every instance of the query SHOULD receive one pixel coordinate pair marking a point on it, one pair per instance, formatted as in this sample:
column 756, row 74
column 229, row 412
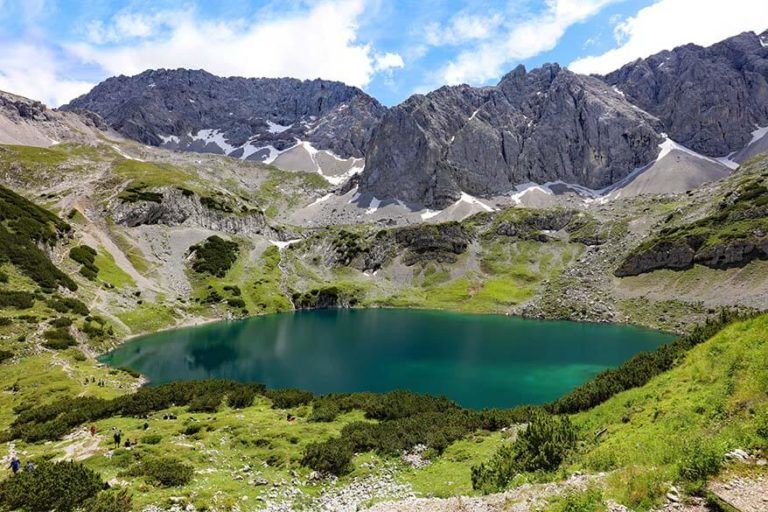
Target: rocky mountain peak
column 196, row 110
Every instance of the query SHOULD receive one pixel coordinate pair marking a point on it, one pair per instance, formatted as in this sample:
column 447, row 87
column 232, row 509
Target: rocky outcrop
column 174, row 207
column 433, row 242
column 165, row 107
column 30, row 123
column 708, row 99
column 544, row 125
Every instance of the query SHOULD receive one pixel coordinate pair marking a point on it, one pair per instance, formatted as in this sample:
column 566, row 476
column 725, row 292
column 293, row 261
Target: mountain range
column 540, row 126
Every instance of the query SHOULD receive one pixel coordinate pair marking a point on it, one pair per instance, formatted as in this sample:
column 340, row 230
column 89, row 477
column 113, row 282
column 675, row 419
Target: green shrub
column 130, row 371
column 243, row 396
column 152, row 439
column 60, row 486
column 236, row 303
column 62, row 321
column 5, row 355
column 288, row 398
column 5, row 321
column 333, row 456
column 59, row 339
column 324, row 411
column 163, row 471
column 589, row 500
column 542, row 446
column 110, row 501
column 67, row 304
column 208, row 402
column 700, row 461
column 86, row 256
column 214, row 256
column 16, row 299
column 192, row 429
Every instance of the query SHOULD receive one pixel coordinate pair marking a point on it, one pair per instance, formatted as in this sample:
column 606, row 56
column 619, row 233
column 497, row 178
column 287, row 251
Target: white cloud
column 670, row 23
column 319, row 43
column 33, row 71
column 462, row 28
column 388, row 62
column 520, row 41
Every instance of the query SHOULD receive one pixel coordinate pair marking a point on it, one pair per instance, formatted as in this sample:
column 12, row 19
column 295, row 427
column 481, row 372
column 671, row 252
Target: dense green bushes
column 51, row 421
column 67, row 305
column 542, row 446
column 110, row 501
column 23, row 225
column 60, row 486
column 214, row 256
column 288, row 398
column 163, row 471
column 16, row 299
column 640, row 369
column 59, row 338
column 85, row 256
column 405, row 420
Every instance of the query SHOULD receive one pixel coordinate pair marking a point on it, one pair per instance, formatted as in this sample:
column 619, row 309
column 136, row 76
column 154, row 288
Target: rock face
column 544, row 125
column 175, row 208
column 198, row 111
column 708, row 99
column 30, row 123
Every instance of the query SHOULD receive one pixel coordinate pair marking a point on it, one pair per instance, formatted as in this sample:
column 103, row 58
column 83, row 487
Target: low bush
column 163, row 471
column 67, row 305
column 288, row 398
column 152, row 439
column 59, row 339
column 62, row 321
column 5, row 355
column 16, row 299
column 214, row 256
column 86, row 256
column 333, row 456
column 208, row 402
column 542, row 446
column 110, row 501
column 243, row 396
column 60, row 486
column 324, row 411
column 700, row 461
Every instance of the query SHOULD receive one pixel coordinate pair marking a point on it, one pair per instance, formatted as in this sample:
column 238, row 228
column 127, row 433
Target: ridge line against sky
column 55, row 50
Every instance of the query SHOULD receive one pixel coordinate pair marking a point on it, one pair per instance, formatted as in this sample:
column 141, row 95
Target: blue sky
column 55, row 50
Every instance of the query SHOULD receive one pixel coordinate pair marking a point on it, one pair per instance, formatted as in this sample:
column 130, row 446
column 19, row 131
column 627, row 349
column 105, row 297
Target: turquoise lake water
column 476, row 360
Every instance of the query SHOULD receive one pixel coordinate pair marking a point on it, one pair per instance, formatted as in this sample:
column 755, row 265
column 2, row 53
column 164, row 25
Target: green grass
column 148, row 317
column 109, row 271
column 713, row 397
column 152, row 174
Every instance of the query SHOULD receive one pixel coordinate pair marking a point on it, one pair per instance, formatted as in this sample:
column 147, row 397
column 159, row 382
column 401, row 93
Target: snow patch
column 125, row 155
column 283, row 244
column 428, row 214
column 758, row 134
column 473, row 200
column 521, row 190
column 321, row 199
column 214, row 137
column 169, row 138
column 373, row 206
column 726, row 161
column 277, row 128
column 618, row 91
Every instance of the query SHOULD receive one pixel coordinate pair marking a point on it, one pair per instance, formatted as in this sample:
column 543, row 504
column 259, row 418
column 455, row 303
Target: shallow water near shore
column 476, row 360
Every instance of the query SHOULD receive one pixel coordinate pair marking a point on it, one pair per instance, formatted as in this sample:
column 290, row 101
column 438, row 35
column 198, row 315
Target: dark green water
column 477, row 360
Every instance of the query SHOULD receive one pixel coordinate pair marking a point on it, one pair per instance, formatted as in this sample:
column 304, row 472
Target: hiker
column 30, row 467
column 93, row 430
column 146, row 425
column 15, row 465
column 117, row 436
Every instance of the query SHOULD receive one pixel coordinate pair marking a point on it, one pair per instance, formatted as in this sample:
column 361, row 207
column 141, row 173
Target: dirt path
column 79, row 445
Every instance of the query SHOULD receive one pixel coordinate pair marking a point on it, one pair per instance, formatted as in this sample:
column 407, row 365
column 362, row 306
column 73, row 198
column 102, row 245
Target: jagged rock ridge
column 249, row 118
column 544, row 125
